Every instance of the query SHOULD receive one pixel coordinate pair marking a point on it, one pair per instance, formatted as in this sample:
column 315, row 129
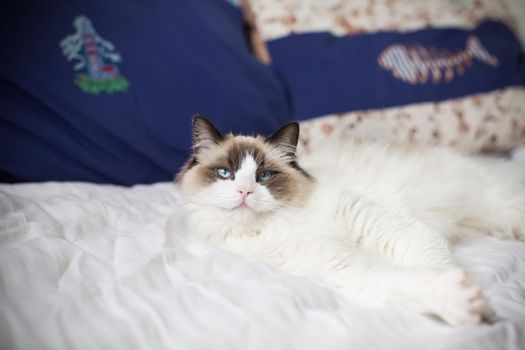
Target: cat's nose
column 245, row 193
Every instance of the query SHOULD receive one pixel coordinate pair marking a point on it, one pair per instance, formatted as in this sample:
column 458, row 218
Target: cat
column 370, row 219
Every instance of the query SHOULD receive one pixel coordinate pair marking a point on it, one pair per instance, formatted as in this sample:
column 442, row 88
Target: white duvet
column 88, row 267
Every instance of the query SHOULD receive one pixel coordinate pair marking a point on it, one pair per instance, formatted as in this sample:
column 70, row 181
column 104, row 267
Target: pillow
column 105, row 91
column 435, row 72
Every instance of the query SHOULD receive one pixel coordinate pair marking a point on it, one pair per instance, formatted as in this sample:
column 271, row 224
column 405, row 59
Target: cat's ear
column 286, row 138
column 205, row 134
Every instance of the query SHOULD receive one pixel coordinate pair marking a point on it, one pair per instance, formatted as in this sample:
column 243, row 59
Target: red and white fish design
column 416, row 64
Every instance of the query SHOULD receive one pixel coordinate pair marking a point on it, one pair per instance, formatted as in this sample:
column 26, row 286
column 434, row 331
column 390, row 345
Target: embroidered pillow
column 105, row 91
column 434, row 72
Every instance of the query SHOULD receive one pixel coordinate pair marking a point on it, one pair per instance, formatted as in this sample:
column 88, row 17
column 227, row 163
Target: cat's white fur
column 377, row 224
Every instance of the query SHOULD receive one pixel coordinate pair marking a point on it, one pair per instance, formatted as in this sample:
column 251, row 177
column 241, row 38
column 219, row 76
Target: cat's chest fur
column 282, row 238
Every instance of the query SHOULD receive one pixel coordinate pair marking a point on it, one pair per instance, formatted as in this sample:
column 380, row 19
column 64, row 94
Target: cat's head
column 244, row 176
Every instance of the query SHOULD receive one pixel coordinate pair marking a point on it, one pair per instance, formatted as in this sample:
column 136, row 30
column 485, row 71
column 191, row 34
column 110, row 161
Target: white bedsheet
column 86, row 267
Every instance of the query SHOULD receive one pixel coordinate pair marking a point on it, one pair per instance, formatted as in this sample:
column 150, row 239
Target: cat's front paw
column 458, row 299
column 518, row 234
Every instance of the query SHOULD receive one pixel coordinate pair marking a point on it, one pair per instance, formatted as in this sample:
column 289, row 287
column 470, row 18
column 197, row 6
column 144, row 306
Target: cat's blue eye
column 225, row 173
column 265, row 175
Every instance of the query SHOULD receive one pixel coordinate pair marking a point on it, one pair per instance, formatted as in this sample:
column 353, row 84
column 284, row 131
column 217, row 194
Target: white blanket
column 88, row 267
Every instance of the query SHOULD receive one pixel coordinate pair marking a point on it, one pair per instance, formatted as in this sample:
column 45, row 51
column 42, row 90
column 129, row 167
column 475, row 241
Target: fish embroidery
column 95, row 57
column 416, row 64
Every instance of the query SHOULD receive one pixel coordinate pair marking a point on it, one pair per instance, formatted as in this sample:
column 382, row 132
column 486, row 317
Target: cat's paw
column 518, row 234
column 458, row 299
column 517, row 231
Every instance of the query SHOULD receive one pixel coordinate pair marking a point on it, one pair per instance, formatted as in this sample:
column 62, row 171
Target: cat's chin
column 243, row 210
column 243, row 206
column 243, row 213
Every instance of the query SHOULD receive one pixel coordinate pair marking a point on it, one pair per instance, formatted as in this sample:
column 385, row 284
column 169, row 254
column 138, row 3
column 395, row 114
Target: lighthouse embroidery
column 95, row 59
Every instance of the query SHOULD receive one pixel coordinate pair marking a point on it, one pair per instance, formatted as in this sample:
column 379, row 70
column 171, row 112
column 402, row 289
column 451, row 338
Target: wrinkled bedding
column 87, row 266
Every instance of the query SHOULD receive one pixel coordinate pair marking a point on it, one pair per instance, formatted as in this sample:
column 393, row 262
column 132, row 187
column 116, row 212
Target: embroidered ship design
column 416, row 64
column 96, row 57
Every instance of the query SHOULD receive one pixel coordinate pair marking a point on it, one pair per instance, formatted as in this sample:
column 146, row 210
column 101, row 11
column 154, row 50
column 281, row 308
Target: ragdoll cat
column 369, row 219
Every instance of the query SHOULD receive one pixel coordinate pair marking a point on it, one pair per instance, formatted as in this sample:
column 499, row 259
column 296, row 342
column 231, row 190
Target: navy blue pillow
column 328, row 74
column 104, row 91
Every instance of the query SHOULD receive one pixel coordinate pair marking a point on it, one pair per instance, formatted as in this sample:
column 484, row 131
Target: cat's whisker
column 279, row 205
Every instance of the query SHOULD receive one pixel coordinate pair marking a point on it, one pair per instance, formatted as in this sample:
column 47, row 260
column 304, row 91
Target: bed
column 87, row 266
column 85, row 166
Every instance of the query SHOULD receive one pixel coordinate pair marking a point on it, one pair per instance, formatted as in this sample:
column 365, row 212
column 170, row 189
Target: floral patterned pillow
column 438, row 72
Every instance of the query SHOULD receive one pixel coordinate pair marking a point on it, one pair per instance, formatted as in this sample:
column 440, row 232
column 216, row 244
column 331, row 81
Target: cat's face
column 244, row 176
